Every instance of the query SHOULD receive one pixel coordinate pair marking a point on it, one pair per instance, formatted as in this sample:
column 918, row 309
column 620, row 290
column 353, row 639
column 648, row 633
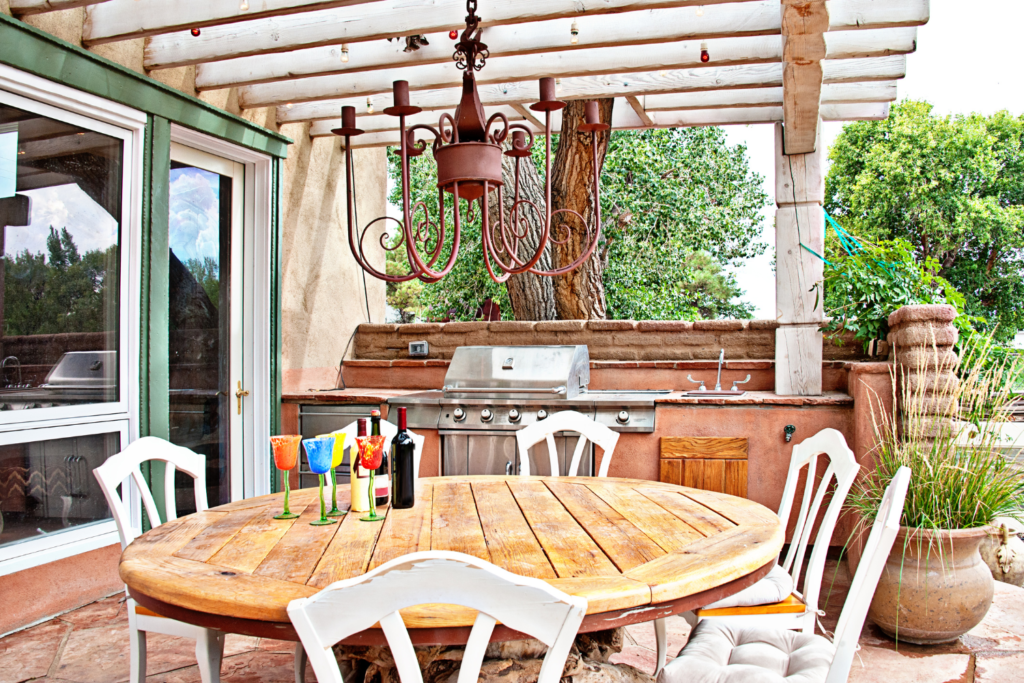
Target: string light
column 369, row 106
column 195, row 32
column 663, row 73
column 574, row 31
column 289, row 105
column 700, row 10
column 453, row 34
column 705, row 56
column 344, row 52
column 558, row 85
column 244, row 7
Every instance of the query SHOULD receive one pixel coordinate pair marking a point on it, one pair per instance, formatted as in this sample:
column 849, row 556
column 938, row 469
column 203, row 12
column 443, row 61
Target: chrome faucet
column 721, row 360
column 3, row 371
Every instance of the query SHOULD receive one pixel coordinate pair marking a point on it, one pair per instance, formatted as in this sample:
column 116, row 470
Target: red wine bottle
column 403, row 462
column 381, row 480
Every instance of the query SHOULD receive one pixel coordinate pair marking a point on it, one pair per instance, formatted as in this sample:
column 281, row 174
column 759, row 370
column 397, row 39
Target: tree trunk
column 579, row 294
column 532, row 296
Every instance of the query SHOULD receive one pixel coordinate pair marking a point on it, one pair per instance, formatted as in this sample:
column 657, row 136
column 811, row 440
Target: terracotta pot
column 945, row 589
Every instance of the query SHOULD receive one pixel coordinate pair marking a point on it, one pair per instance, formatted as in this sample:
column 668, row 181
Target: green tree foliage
column 953, row 187
column 206, row 271
column 59, row 294
column 688, row 206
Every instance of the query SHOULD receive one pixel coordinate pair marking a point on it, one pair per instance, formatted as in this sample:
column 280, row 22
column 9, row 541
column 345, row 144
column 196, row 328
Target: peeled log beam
column 634, row 28
column 129, row 19
column 374, row 21
column 838, row 93
column 23, row 7
column 854, row 72
column 592, row 62
column 804, row 24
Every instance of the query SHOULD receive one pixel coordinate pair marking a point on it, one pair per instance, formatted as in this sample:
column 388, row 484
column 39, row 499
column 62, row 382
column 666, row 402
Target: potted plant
column 935, row 586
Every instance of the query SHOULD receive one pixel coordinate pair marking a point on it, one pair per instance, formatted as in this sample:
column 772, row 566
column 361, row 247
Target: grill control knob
column 541, row 414
column 486, row 415
column 623, row 417
column 459, row 414
column 513, row 415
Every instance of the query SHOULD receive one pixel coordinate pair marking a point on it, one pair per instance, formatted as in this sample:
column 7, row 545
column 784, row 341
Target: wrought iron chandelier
column 468, row 155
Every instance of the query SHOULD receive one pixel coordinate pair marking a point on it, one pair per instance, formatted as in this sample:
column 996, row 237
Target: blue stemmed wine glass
column 320, row 455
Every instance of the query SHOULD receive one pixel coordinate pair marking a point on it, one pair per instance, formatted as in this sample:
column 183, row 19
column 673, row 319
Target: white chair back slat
column 566, row 421
column 126, row 465
column 865, row 580
column 524, row 604
column 838, row 478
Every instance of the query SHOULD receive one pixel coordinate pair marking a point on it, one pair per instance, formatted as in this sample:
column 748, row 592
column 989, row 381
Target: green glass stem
column 286, row 513
column 323, row 508
column 373, row 516
column 335, row 512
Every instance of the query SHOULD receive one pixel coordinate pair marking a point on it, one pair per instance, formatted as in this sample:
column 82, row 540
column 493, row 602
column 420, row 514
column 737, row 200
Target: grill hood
column 545, row 372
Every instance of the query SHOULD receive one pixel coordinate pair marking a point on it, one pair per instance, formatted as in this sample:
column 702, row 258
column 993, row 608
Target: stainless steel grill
column 491, row 391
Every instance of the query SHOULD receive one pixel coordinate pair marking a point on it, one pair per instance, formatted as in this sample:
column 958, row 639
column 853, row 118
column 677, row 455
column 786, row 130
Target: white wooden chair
column 520, row 603
column 725, row 652
column 774, row 601
column 566, row 421
column 117, row 470
column 388, row 431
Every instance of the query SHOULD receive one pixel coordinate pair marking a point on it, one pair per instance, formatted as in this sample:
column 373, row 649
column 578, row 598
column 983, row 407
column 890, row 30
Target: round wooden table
column 637, row 550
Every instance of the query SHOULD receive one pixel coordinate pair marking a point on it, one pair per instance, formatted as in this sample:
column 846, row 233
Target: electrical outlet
column 419, row 349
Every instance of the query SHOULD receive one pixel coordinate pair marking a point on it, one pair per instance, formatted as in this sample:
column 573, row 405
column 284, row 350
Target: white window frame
column 39, row 96
column 54, row 100
column 255, row 457
column 60, row 544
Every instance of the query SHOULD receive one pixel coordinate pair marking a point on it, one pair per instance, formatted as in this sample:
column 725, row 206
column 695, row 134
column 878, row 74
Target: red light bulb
column 196, row 32
column 705, row 56
column 453, row 34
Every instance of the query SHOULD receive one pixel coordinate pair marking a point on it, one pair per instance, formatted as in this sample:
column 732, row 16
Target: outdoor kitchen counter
column 370, row 396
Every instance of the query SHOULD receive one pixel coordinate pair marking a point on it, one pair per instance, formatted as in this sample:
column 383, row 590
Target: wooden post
column 799, row 227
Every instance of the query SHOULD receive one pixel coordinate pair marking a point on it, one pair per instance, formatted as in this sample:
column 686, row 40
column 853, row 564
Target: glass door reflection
column 205, row 224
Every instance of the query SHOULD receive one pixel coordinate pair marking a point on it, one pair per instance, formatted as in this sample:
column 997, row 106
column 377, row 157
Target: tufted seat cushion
column 775, row 587
column 718, row 653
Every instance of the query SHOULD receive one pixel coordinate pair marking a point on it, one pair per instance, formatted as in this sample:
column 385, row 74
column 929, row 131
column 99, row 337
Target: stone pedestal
column 922, row 338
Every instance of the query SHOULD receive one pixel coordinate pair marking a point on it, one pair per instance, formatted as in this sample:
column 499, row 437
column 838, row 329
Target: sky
column 967, row 60
column 195, row 214
column 63, row 206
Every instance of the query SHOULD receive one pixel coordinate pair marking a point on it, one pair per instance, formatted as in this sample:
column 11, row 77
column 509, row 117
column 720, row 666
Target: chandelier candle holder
column 468, row 149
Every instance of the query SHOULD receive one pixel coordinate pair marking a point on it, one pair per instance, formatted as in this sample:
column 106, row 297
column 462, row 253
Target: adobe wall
column 619, row 340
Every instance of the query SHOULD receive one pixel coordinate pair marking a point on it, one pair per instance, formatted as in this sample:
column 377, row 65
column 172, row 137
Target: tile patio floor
column 90, row 645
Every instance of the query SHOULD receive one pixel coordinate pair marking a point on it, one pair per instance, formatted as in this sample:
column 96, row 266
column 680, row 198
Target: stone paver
column 90, row 645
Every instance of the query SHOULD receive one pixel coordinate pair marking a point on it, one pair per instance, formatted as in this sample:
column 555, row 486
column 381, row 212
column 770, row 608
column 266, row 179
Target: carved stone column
column 922, row 338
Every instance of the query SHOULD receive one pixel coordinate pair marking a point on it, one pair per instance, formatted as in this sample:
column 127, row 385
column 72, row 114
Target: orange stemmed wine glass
column 371, row 452
column 286, row 456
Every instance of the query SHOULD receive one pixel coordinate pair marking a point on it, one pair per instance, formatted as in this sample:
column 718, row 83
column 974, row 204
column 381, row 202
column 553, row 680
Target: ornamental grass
column 948, row 431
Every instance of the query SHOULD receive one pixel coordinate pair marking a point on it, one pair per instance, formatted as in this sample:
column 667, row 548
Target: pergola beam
column 373, row 21
column 505, row 70
column 804, row 24
column 627, row 119
column 853, row 72
column 633, row 28
column 129, row 19
column 837, row 93
column 23, row 7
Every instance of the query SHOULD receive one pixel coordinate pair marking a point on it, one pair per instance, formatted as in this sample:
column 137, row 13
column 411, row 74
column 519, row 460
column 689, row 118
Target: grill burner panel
column 490, row 392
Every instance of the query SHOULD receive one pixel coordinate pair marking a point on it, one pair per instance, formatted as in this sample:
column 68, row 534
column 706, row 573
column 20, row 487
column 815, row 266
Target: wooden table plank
column 349, row 552
column 170, row 537
column 664, row 528
column 621, row 541
column 512, row 544
column 570, row 549
column 297, row 553
column 737, row 510
column 710, row 562
column 406, row 531
column 456, row 525
column 205, row 545
column 700, row 517
column 247, row 549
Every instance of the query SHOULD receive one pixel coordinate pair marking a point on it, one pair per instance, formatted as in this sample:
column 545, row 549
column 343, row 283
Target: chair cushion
column 775, row 587
column 718, row 653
